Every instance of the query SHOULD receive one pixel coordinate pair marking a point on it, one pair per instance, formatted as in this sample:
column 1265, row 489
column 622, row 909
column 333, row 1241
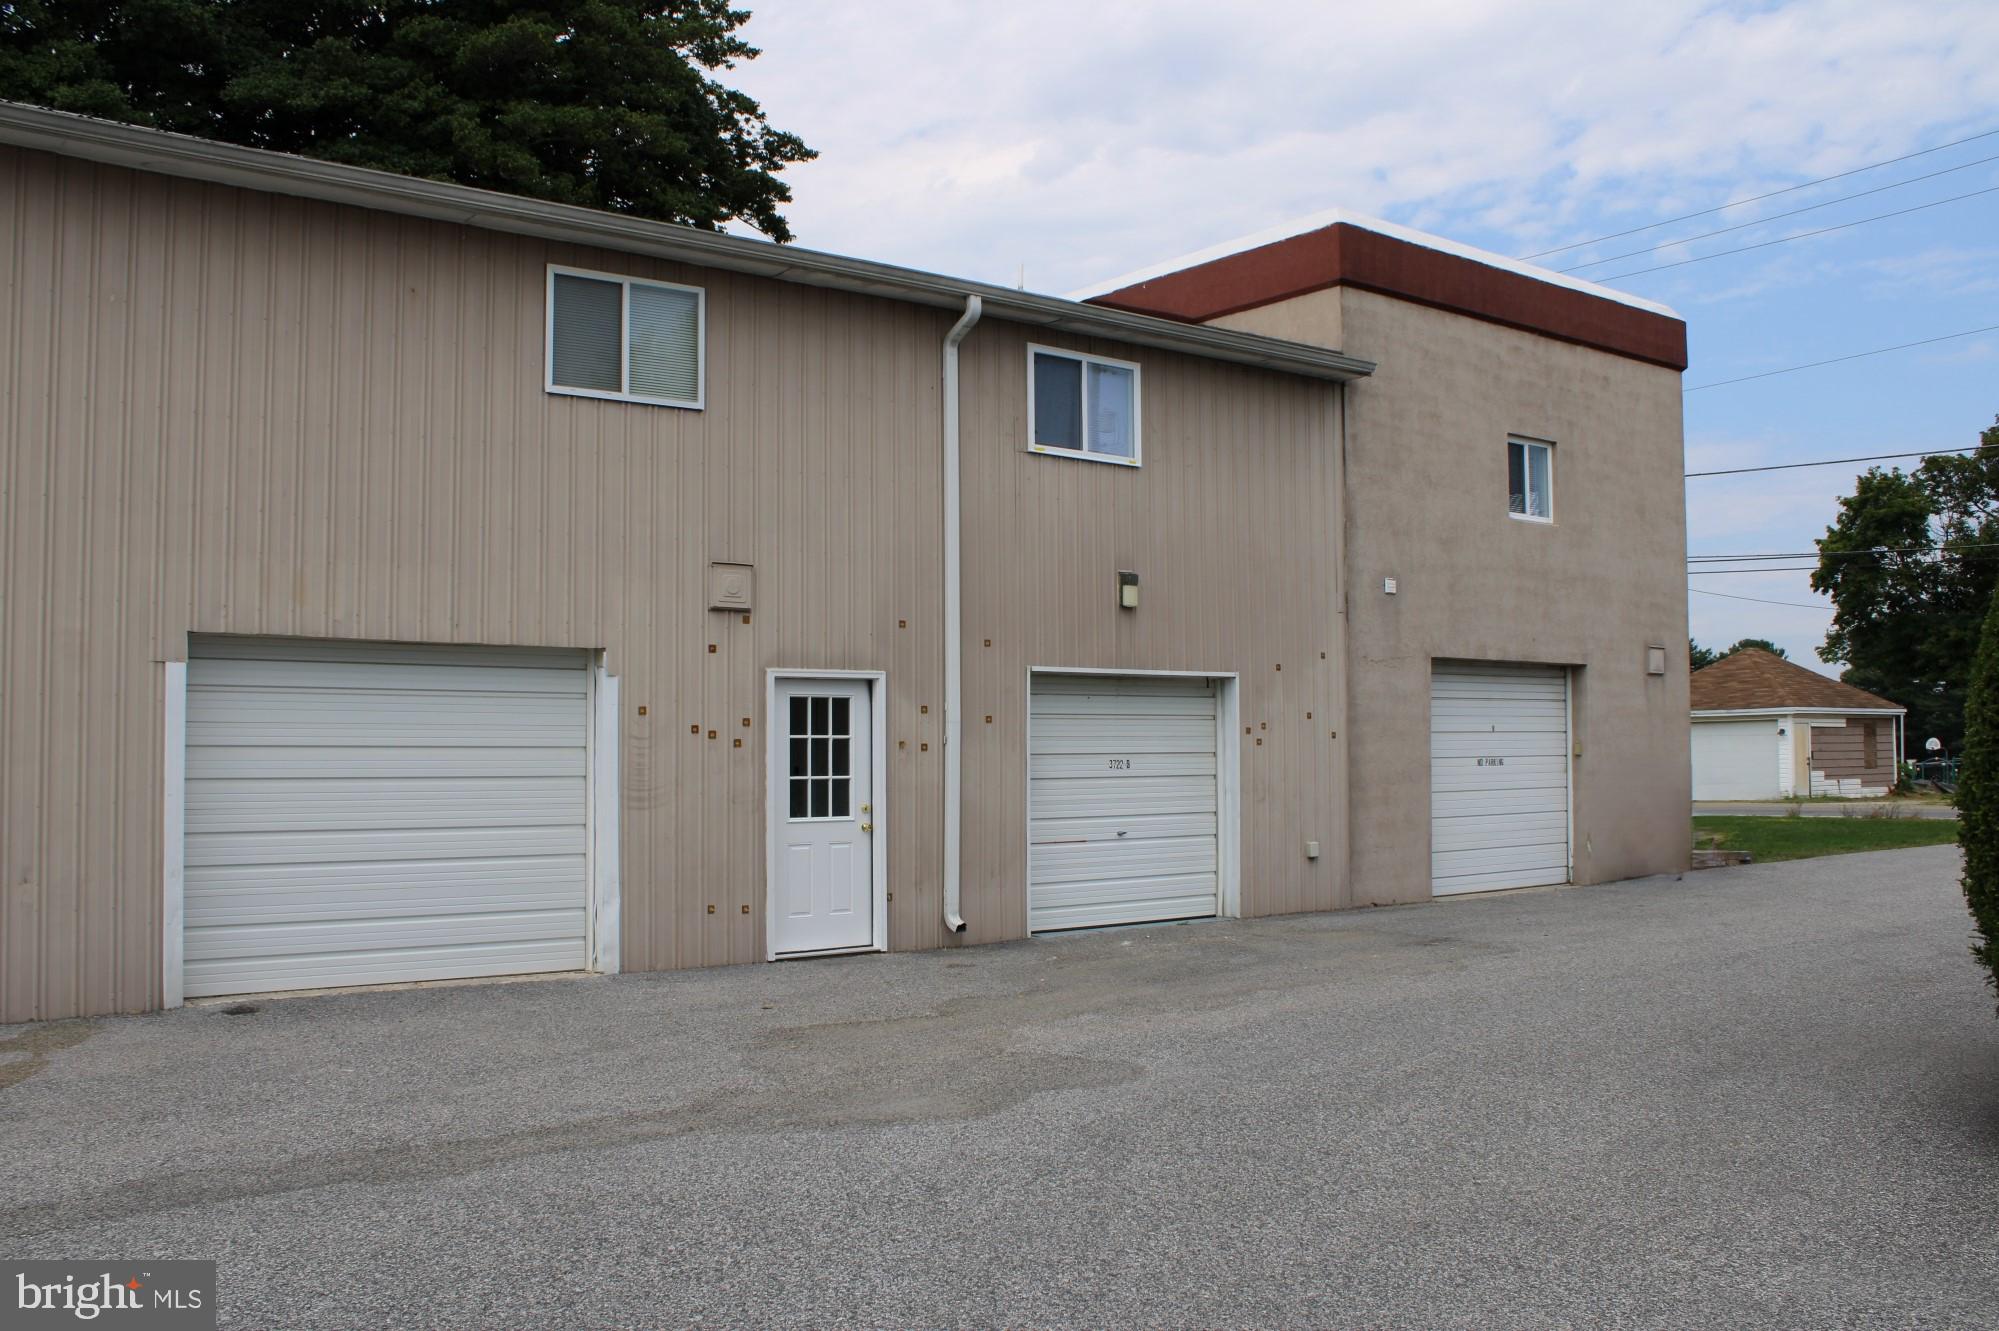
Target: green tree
column 1978, row 799
column 604, row 103
column 1699, row 656
column 1910, row 576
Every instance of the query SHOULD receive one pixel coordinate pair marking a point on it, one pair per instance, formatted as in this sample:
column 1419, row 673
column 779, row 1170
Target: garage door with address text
column 1499, row 777
column 362, row 814
column 1122, row 817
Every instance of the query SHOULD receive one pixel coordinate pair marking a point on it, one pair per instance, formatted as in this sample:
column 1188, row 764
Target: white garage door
column 1736, row 760
column 1122, row 800
column 1499, row 777
column 359, row 814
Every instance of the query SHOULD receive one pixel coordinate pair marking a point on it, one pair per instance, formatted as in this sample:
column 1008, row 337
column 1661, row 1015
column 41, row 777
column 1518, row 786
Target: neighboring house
column 1765, row 728
column 402, row 581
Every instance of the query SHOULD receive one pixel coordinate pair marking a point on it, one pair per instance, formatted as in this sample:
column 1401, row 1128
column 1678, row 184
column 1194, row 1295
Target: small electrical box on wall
column 1655, row 660
column 731, row 586
column 1127, row 590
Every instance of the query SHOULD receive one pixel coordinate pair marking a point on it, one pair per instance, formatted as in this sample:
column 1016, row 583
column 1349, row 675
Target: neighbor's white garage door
column 1123, row 800
column 358, row 814
column 1737, row 760
column 1499, row 777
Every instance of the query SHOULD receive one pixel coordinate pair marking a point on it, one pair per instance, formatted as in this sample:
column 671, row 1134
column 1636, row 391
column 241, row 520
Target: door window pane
column 820, row 750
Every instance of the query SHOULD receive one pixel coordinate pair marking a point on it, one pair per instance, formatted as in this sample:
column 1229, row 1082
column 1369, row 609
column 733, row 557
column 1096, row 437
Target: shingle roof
column 1753, row 679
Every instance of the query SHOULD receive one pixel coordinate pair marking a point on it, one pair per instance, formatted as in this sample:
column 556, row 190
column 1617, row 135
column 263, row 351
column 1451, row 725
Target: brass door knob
column 867, row 827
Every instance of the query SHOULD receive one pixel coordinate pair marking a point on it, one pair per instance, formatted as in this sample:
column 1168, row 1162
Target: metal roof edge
column 159, row 151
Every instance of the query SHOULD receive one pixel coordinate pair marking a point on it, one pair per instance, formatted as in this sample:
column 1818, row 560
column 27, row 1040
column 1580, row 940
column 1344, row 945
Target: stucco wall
column 1427, row 505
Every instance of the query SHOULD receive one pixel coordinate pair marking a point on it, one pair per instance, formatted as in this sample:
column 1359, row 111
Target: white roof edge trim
column 187, row 157
column 1712, row 715
column 1334, row 216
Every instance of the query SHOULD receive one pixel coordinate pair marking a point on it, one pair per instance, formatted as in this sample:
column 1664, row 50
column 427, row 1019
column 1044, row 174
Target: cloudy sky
column 1061, row 143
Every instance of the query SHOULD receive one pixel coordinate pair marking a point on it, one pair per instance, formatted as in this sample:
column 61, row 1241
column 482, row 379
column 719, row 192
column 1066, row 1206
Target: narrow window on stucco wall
column 1530, row 467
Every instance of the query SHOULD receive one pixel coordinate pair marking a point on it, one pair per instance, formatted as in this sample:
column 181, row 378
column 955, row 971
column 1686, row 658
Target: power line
column 1802, row 235
column 1858, row 355
column 1837, row 462
column 1758, row 198
column 1710, row 572
column 1844, row 554
column 1727, row 596
column 1774, row 217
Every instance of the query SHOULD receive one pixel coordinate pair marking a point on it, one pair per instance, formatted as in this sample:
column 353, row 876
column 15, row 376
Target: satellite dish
column 1934, row 745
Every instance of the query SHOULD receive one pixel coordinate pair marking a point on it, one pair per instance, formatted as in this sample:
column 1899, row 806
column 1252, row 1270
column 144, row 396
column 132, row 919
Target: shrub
column 1978, row 798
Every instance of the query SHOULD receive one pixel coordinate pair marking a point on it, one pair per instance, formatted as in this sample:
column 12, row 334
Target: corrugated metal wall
column 1232, row 525
column 235, row 413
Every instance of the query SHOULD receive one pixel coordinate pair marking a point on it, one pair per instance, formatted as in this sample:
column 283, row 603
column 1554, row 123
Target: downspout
column 954, row 615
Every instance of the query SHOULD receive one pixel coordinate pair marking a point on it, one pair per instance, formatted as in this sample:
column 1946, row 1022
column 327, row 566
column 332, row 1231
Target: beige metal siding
column 1232, row 526
column 227, row 412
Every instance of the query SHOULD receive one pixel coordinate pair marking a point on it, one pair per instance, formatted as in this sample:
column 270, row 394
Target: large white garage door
column 1736, row 760
column 1499, row 777
column 359, row 814
column 1122, row 797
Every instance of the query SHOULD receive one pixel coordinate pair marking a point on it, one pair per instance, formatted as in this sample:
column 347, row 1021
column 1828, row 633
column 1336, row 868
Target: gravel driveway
column 1765, row 1096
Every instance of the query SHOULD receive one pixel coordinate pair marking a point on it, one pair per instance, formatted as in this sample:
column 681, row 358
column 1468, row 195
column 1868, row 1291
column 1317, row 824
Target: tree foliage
column 604, row 103
column 1699, row 656
column 1978, row 799
column 1910, row 583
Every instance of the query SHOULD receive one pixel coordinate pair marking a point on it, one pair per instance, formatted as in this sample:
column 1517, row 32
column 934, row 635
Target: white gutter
column 954, row 616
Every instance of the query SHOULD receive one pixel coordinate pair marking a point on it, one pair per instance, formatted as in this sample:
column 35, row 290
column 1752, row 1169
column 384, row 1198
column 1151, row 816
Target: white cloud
column 1081, row 140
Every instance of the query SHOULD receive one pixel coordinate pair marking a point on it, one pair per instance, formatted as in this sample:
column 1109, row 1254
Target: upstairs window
column 622, row 338
column 1082, row 406
column 1529, row 480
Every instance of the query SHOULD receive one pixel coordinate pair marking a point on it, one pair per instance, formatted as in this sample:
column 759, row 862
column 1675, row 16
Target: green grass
column 1768, row 839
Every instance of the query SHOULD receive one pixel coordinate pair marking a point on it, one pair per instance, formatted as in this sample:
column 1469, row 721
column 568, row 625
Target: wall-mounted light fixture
column 1127, row 590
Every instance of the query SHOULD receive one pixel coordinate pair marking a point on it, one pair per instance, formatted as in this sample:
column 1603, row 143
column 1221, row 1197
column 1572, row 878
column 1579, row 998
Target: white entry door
column 822, row 809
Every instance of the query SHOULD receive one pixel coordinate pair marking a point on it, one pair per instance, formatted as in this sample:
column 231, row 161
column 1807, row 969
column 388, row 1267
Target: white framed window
column 1082, row 406
column 626, row 338
column 1530, row 476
